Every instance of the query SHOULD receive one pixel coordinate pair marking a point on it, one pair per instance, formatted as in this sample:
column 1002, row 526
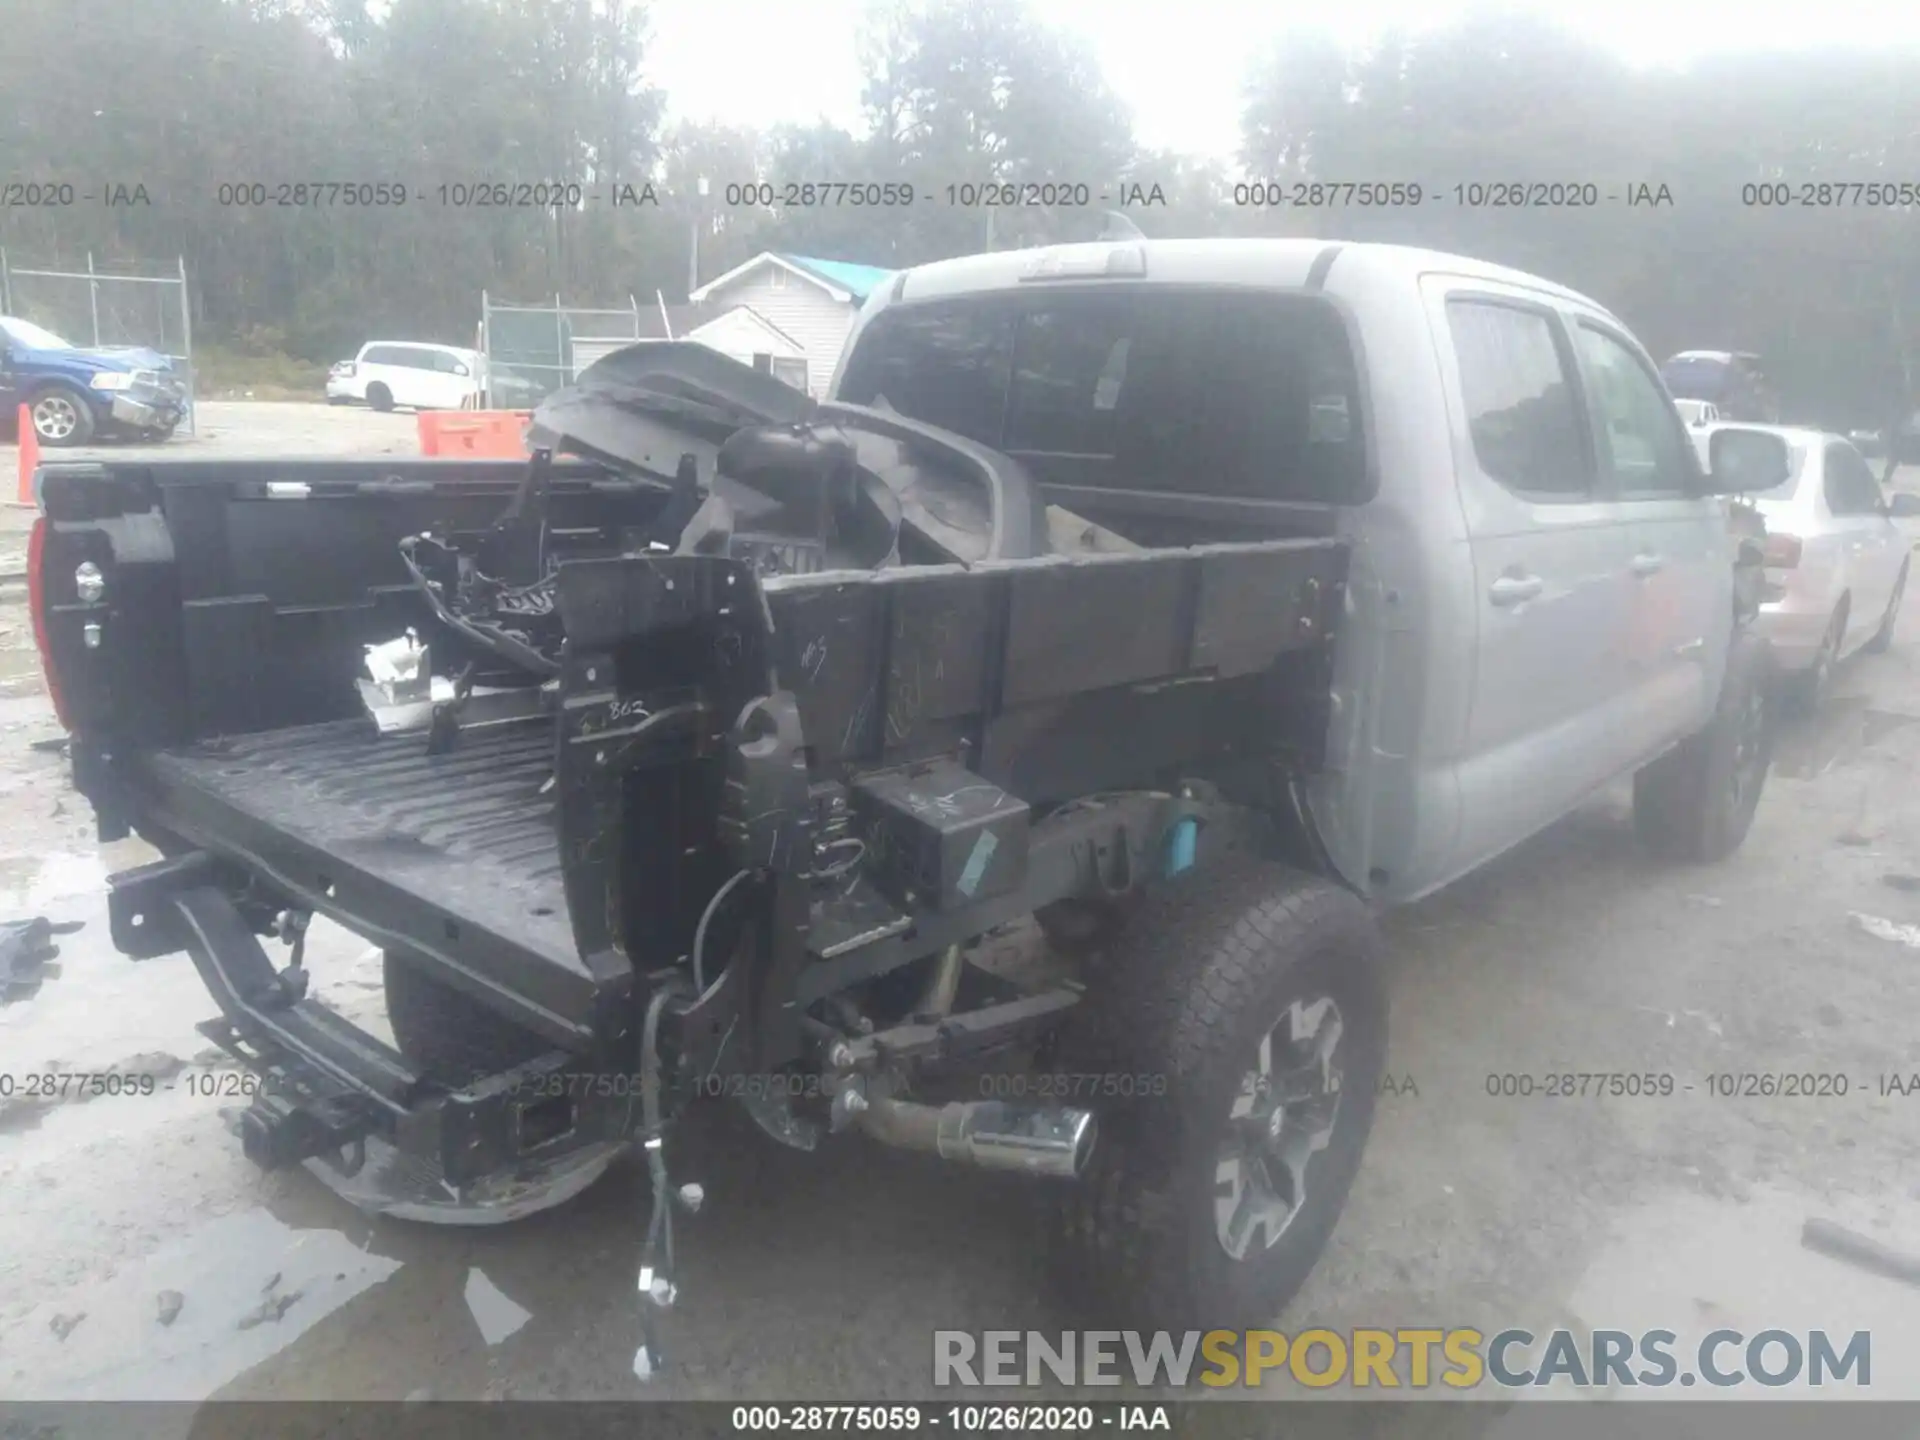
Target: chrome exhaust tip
column 1048, row 1141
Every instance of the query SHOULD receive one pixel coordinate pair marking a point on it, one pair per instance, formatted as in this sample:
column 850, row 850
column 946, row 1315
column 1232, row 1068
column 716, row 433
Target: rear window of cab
column 1250, row 395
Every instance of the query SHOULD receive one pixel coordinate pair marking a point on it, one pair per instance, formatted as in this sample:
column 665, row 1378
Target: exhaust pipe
column 1051, row 1141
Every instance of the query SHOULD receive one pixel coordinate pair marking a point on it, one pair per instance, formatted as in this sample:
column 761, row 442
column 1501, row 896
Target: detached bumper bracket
column 140, row 910
column 327, row 1082
column 319, row 1046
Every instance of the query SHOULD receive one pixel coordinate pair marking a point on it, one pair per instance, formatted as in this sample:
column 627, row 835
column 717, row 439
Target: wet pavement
column 142, row 1257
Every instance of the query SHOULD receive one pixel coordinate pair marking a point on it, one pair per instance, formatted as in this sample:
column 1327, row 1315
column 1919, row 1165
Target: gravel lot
column 234, row 428
column 824, row 1276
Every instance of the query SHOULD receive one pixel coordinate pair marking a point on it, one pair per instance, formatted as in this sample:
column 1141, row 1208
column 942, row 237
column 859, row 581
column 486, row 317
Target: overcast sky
column 1177, row 63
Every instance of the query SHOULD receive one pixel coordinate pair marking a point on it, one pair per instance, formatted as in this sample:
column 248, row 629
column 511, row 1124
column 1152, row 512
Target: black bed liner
column 467, row 837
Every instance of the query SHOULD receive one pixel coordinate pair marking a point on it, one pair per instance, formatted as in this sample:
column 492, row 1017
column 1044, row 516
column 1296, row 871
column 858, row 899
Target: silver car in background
column 1836, row 563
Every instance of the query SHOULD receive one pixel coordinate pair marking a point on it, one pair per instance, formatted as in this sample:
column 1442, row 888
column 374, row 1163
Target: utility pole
column 1904, row 412
column 693, row 240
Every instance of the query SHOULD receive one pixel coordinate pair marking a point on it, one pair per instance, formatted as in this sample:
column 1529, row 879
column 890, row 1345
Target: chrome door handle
column 1647, row 564
column 1514, row 589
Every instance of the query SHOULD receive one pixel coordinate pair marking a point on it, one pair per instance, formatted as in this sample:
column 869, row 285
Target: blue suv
column 74, row 395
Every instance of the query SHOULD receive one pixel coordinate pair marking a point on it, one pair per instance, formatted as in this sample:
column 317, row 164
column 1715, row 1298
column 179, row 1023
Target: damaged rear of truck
column 697, row 757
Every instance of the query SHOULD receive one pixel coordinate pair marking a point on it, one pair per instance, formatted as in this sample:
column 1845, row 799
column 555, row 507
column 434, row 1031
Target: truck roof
column 1277, row 264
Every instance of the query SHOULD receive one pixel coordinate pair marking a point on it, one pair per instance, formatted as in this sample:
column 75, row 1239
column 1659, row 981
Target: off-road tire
column 83, row 425
column 1686, row 805
column 452, row 1037
column 379, row 397
column 1208, row 965
column 1882, row 639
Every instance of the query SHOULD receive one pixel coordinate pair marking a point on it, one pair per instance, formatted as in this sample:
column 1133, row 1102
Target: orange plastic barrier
column 29, row 460
column 474, row 434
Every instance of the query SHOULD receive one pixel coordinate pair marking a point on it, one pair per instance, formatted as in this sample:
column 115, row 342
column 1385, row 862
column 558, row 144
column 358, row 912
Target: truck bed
column 339, row 811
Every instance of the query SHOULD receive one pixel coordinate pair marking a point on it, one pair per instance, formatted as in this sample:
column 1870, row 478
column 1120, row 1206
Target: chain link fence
column 530, row 348
column 98, row 309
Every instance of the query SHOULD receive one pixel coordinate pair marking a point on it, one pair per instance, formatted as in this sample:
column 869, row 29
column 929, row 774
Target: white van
column 421, row 376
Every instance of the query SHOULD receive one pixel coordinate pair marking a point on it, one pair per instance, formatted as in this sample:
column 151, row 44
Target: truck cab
column 1541, row 596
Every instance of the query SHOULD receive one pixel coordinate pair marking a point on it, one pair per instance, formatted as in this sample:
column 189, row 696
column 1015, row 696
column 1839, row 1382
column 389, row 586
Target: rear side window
column 382, row 355
column 1851, row 488
column 1520, row 399
column 1239, row 394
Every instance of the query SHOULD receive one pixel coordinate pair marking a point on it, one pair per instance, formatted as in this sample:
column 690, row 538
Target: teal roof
column 860, row 280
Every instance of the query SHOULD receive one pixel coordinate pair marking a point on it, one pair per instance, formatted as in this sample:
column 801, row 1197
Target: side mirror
column 1903, row 506
column 459, row 369
column 1742, row 462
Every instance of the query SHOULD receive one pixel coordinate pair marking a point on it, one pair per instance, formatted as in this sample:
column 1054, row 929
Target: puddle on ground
column 240, row 1289
column 1838, row 735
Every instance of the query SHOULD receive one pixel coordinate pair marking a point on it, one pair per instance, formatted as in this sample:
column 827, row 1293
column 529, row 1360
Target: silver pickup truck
column 1192, row 597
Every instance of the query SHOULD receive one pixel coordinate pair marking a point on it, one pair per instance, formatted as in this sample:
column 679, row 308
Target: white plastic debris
column 398, row 664
column 402, row 690
column 1882, row 929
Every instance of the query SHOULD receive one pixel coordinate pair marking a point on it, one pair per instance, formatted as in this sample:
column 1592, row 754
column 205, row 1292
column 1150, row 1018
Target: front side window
column 1641, row 438
column 1520, row 399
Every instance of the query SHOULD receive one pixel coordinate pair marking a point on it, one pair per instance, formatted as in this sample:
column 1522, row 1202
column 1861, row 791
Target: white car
column 1698, row 412
column 416, row 374
column 1836, row 563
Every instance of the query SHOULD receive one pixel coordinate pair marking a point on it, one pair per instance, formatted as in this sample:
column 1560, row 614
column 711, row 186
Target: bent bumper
column 146, row 414
column 321, row 1084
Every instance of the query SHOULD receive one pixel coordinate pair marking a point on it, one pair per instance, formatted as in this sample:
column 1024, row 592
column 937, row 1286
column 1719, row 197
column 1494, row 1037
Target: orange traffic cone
column 29, row 459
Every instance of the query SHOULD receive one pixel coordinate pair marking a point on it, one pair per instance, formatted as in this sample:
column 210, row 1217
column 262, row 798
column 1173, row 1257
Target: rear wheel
column 1882, row 639
column 1809, row 687
column 379, row 397
column 454, row 1038
column 60, row 416
column 1696, row 803
column 1242, row 1021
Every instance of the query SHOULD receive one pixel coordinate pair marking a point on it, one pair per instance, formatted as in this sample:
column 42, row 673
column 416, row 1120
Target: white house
column 788, row 314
